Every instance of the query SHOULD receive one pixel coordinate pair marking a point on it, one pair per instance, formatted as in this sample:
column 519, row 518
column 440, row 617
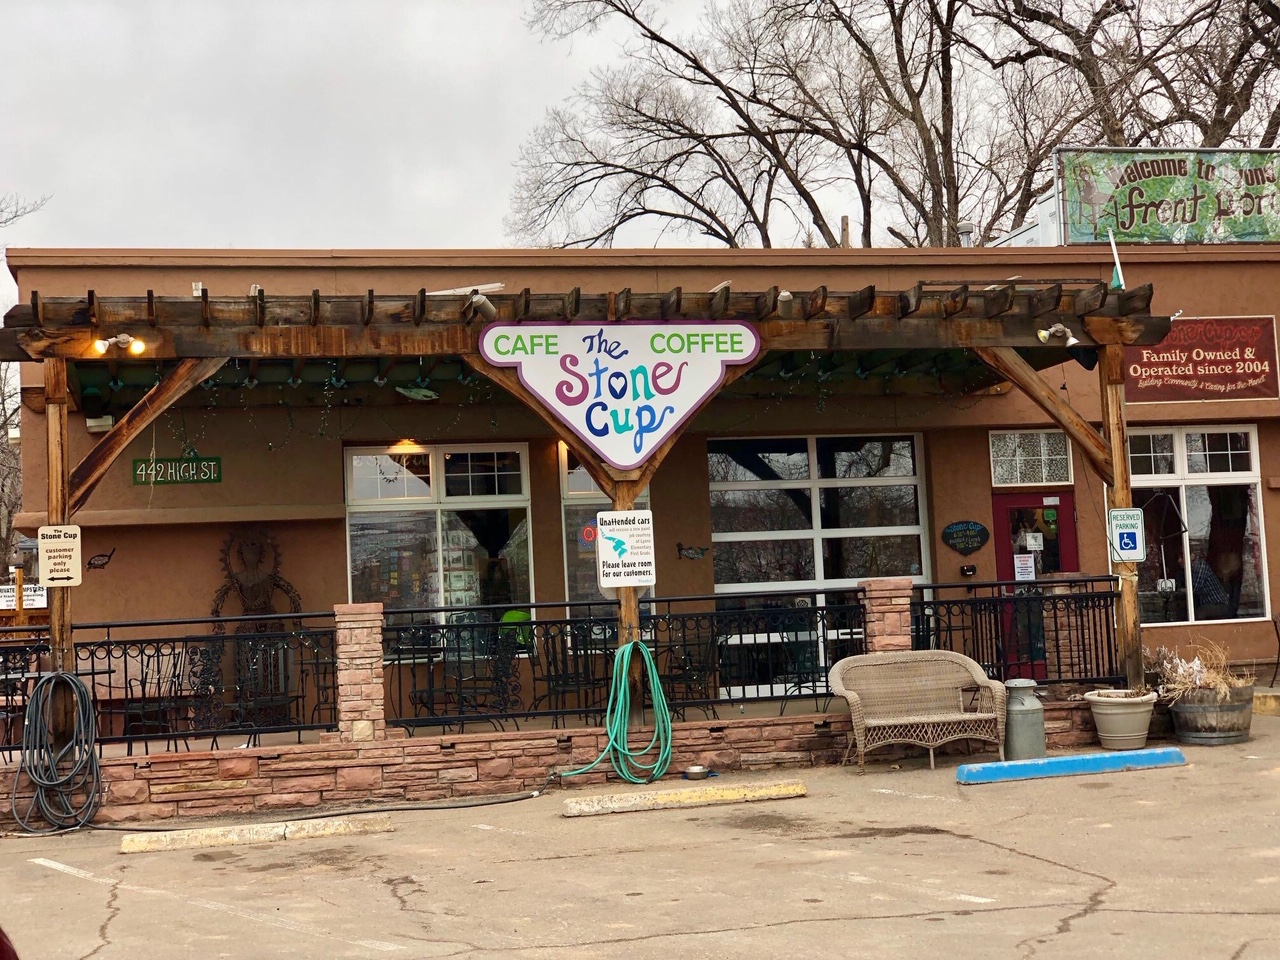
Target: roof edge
column 20, row 257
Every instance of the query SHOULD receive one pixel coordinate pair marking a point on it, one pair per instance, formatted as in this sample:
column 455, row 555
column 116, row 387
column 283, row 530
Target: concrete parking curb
column 702, row 796
column 250, row 833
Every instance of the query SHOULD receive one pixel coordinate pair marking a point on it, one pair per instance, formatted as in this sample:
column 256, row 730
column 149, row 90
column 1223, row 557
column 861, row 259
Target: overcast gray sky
column 272, row 123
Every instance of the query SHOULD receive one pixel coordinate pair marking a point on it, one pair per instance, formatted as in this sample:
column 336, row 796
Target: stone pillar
column 358, row 651
column 888, row 614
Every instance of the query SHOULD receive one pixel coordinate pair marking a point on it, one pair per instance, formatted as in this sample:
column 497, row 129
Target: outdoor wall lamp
column 1057, row 330
column 134, row 345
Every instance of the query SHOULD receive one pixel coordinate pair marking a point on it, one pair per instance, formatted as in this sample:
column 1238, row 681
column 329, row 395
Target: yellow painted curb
column 250, row 833
column 703, row 796
column 1266, row 701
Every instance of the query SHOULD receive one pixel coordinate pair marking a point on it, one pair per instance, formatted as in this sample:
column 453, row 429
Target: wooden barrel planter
column 1199, row 717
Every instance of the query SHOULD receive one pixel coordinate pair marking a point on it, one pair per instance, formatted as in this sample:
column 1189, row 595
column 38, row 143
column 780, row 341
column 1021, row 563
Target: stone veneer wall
column 430, row 768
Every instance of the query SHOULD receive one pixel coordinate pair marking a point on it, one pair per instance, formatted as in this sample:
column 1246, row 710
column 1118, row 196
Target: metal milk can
column 1024, row 722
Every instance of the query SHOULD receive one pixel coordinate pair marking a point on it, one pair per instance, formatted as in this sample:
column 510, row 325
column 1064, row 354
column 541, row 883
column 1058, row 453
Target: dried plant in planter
column 1209, row 670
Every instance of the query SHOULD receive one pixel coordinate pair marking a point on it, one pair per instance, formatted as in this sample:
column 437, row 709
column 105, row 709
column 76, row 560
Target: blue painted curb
column 1072, row 766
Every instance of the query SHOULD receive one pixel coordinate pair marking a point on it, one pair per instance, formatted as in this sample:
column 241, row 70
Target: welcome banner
column 622, row 387
column 1170, row 196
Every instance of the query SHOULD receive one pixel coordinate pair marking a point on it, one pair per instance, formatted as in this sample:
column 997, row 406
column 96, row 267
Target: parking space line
column 215, row 905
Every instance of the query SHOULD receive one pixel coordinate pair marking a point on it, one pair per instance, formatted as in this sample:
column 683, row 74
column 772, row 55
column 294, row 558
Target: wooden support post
column 19, row 608
column 63, row 652
column 624, row 498
column 1120, row 494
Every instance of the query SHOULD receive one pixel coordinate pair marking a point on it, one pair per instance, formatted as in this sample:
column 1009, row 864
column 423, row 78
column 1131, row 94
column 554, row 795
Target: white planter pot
column 1122, row 720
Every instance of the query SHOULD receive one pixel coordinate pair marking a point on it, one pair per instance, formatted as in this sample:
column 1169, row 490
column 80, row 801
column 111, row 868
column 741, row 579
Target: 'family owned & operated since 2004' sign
column 625, row 387
column 1170, row 196
column 1206, row 358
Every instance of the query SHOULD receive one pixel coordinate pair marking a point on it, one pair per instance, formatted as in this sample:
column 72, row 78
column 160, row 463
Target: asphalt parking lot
column 899, row 863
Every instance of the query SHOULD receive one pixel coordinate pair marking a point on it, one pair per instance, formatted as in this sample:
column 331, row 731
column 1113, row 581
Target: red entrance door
column 1035, row 535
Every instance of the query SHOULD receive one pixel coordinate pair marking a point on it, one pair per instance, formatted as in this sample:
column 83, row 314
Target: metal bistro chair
column 479, row 671
column 803, row 672
column 16, row 663
column 569, row 664
column 689, row 664
column 268, row 694
column 153, row 703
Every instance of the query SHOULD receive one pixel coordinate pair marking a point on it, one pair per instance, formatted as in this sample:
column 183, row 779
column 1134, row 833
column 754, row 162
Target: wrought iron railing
column 499, row 665
column 178, row 680
column 23, row 654
column 1054, row 631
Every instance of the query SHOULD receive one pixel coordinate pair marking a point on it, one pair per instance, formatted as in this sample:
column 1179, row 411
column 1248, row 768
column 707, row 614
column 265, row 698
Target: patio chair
column 152, row 705
column 569, row 665
column 267, row 690
column 689, row 665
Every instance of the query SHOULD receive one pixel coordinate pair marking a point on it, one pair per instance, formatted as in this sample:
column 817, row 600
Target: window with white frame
column 445, row 526
column 580, row 501
column 1199, row 490
column 815, row 512
column 1028, row 458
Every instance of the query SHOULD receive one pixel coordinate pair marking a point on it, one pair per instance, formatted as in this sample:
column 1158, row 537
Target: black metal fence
column 1053, row 631
column 240, row 676
column 445, row 667
column 23, row 653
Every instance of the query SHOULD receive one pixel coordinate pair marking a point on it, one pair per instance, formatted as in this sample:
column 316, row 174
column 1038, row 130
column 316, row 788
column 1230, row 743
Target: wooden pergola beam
column 172, row 387
column 418, row 325
column 1006, row 362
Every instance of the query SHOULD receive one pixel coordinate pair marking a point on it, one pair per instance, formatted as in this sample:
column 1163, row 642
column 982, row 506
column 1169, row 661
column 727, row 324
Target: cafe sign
column 1170, row 196
column 1206, row 358
column 622, row 388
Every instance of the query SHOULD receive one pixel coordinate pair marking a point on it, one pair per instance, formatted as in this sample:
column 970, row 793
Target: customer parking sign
column 624, row 549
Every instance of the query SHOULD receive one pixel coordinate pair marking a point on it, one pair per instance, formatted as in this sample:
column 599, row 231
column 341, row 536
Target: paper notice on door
column 1024, row 566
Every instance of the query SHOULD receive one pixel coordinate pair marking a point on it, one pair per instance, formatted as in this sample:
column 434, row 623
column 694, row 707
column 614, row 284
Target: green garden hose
column 631, row 764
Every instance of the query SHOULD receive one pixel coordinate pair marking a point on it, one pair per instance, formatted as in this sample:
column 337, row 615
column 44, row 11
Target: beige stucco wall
column 168, row 538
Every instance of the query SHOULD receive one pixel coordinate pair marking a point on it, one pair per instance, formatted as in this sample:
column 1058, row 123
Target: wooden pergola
column 937, row 337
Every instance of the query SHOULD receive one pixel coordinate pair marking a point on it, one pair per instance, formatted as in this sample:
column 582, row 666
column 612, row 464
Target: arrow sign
column 59, row 555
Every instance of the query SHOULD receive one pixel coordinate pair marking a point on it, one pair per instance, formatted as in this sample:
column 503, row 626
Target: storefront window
column 581, row 500
column 815, row 512
column 1022, row 458
column 1199, row 492
column 408, row 550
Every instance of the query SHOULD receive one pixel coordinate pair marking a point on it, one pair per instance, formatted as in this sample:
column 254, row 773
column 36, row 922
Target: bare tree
column 14, row 207
column 771, row 117
column 10, row 457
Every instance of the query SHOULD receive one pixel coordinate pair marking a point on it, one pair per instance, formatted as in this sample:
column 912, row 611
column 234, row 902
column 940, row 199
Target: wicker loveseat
column 918, row 697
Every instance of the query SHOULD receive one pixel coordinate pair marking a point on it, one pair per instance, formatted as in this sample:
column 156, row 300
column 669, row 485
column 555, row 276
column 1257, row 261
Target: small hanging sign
column 162, row 470
column 965, row 536
column 624, row 549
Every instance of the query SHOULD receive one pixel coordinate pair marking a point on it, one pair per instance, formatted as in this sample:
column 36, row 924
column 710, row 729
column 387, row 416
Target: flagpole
column 1115, row 255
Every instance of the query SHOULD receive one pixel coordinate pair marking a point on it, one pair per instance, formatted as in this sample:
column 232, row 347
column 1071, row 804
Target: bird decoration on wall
column 691, row 553
column 100, row 560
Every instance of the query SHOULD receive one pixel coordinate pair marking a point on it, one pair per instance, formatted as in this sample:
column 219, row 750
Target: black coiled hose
column 67, row 782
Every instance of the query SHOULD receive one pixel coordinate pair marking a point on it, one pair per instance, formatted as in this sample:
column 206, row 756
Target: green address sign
column 163, row 470
column 1171, row 196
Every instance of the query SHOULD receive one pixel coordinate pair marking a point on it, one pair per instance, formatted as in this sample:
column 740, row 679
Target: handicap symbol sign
column 1126, row 526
